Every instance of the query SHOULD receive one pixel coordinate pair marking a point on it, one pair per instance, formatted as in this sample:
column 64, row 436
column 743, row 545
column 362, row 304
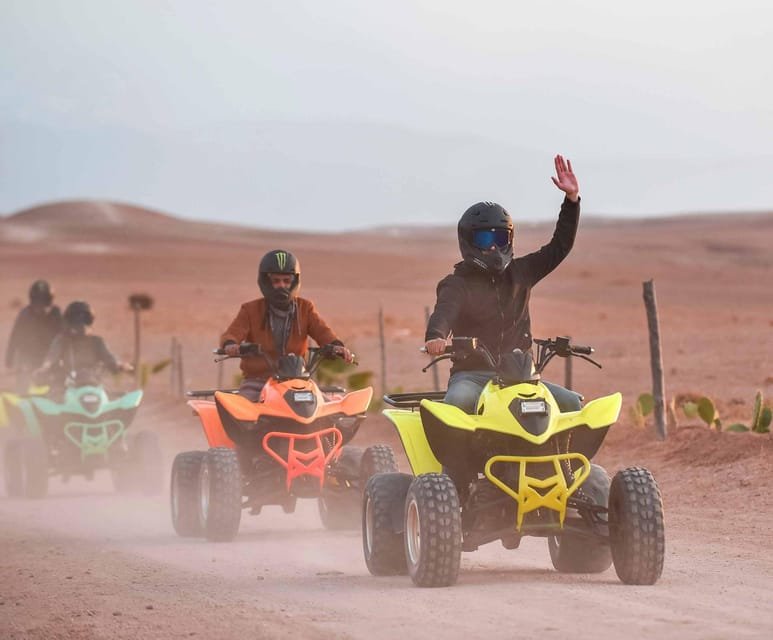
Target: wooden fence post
column 656, row 359
column 383, row 351
column 180, row 370
column 173, row 366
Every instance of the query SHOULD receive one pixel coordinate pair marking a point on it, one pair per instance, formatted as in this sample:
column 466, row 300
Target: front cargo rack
column 413, row 400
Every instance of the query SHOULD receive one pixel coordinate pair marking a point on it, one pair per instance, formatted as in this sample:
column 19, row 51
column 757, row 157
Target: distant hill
column 83, row 214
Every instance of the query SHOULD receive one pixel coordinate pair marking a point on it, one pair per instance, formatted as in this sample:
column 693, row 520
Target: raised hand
column 565, row 178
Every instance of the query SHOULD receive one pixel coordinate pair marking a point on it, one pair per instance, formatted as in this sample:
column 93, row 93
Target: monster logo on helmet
column 485, row 233
column 279, row 261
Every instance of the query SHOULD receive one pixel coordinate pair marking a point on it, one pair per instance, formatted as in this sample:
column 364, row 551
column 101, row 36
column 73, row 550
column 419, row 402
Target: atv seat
column 413, row 400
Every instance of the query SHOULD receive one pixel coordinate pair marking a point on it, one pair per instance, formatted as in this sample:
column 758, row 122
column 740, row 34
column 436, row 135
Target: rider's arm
column 105, row 357
column 535, row 266
column 450, row 298
column 53, row 357
column 239, row 329
column 12, row 340
column 318, row 329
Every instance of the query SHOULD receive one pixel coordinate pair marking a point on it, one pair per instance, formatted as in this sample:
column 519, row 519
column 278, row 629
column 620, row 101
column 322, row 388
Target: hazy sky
column 346, row 113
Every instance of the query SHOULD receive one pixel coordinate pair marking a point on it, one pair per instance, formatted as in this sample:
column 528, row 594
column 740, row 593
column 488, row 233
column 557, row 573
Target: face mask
column 279, row 298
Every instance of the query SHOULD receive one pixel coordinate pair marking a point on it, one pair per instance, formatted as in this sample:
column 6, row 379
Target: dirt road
column 85, row 564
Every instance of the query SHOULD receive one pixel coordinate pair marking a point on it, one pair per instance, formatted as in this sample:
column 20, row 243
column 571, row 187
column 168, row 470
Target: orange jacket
column 251, row 325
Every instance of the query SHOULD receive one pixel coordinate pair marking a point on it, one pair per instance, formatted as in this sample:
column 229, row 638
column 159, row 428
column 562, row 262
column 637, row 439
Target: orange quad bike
column 293, row 443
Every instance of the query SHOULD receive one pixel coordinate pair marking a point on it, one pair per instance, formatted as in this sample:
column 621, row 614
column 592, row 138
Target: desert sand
column 84, row 563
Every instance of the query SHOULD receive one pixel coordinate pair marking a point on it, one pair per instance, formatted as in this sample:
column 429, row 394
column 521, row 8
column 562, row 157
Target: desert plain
column 85, row 563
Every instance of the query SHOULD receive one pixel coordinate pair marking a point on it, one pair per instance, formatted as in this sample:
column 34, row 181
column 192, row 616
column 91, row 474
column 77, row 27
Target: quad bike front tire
column 433, row 530
column 184, row 494
column 383, row 505
column 636, row 526
column 220, row 494
column 379, row 458
column 571, row 553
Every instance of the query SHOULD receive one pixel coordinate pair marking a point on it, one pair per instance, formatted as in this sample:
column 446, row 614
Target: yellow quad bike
column 518, row 467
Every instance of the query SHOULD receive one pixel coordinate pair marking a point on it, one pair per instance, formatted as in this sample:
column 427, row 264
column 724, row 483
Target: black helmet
column 78, row 314
column 40, row 293
column 279, row 261
column 486, row 236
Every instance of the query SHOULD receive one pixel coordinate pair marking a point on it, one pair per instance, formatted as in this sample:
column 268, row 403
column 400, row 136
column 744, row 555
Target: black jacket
column 31, row 336
column 495, row 309
column 80, row 356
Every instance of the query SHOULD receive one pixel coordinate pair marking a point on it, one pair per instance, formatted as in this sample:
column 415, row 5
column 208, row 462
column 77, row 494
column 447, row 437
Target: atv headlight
column 532, row 407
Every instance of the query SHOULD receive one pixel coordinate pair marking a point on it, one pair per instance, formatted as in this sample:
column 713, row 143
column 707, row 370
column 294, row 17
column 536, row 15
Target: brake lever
column 593, row 362
column 432, row 363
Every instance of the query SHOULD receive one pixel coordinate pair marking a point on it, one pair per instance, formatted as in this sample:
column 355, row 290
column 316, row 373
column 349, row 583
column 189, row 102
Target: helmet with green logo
column 284, row 262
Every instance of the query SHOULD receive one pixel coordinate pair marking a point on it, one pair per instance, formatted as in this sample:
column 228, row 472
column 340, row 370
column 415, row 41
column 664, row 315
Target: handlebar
column 462, row 347
column 252, row 349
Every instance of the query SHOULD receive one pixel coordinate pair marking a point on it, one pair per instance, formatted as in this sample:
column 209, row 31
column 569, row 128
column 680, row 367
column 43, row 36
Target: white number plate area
column 534, row 406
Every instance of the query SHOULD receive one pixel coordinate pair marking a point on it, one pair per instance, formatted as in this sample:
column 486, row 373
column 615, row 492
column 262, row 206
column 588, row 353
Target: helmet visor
column 487, row 238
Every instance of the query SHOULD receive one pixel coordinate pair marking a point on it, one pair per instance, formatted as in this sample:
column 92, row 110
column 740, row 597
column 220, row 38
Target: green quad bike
column 80, row 433
column 518, row 467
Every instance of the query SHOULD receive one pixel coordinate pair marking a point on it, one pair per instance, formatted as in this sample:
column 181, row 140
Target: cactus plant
column 646, row 403
column 763, row 424
column 708, row 413
column 690, row 409
column 761, row 415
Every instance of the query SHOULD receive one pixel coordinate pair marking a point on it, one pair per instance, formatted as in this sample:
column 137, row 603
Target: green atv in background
column 77, row 435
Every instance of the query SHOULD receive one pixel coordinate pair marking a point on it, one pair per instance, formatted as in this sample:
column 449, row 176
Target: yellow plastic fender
column 411, row 432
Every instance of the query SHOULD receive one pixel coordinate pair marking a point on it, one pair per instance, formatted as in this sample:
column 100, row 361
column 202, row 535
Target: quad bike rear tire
column 220, row 494
column 145, row 453
column 13, row 469
column 382, row 523
column 579, row 554
column 379, row 458
column 339, row 506
column 184, row 494
column 636, row 526
column 433, row 531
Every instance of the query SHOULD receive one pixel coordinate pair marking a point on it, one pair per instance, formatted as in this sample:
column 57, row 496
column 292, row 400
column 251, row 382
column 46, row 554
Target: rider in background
column 76, row 357
column 35, row 327
column 281, row 322
column 487, row 296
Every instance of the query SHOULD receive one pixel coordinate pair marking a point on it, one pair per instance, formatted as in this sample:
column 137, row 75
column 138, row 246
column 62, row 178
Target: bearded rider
column 281, row 322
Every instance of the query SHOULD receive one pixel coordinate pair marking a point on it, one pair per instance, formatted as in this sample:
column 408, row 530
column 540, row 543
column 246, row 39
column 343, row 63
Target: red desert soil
column 84, row 563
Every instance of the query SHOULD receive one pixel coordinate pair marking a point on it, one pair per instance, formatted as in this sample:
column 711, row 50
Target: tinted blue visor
column 487, row 238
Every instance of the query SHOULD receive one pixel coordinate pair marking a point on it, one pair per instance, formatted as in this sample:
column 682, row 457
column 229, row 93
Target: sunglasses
column 487, row 238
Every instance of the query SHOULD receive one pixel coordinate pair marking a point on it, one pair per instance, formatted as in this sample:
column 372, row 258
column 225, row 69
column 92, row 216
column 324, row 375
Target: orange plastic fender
column 351, row 404
column 210, row 421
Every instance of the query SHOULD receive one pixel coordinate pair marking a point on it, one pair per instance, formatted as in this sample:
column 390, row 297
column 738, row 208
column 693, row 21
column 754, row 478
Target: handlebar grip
column 584, row 351
column 245, row 348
